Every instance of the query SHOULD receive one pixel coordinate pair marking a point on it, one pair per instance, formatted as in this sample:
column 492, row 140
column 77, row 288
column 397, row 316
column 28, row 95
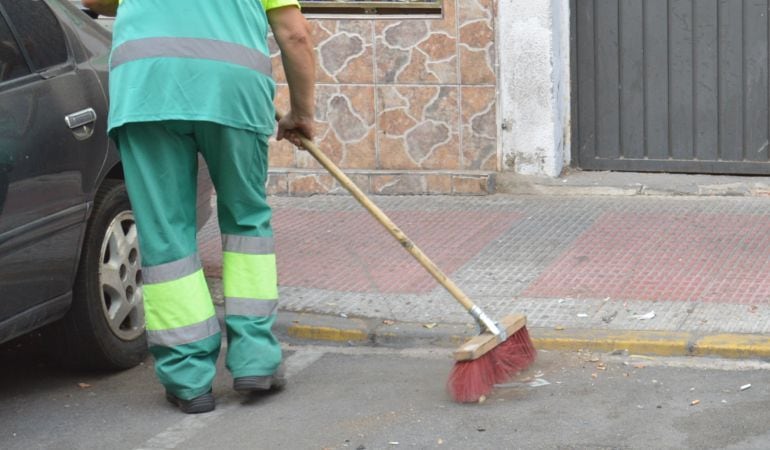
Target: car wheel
column 104, row 328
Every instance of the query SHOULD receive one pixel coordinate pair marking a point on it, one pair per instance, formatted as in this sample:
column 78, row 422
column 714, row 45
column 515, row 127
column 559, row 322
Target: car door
column 49, row 155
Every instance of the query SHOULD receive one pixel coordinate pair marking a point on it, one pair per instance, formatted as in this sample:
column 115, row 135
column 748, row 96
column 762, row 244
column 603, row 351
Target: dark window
column 372, row 7
column 12, row 64
column 38, row 30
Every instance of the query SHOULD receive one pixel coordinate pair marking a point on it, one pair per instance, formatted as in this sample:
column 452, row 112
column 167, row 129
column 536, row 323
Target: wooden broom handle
column 375, row 211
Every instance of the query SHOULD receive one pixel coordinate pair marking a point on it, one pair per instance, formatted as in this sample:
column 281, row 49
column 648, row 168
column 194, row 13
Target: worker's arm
column 293, row 36
column 103, row 7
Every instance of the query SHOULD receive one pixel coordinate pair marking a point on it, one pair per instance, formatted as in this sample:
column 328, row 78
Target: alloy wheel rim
column 120, row 278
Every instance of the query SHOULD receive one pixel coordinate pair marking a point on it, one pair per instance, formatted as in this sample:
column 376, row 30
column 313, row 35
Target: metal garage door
column 673, row 85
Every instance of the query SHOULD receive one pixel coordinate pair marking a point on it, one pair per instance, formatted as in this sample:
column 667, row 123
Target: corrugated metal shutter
column 673, row 85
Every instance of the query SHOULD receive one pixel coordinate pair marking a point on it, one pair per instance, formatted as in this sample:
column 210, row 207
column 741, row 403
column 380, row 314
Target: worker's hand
column 292, row 127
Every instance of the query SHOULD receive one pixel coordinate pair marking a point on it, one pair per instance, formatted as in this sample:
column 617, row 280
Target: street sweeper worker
column 190, row 76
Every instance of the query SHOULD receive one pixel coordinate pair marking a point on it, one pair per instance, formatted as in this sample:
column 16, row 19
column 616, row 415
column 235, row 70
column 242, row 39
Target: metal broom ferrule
column 486, row 322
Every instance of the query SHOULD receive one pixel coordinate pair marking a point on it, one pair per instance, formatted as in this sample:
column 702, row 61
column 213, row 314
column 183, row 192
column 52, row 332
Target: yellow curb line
column 734, row 346
column 662, row 343
column 326, row 333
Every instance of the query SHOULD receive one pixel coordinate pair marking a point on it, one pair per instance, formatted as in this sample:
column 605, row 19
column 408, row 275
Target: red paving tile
column 349, row 251
column 704, row 257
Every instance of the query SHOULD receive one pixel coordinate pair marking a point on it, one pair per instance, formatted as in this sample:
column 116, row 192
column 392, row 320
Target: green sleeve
column 272, row 4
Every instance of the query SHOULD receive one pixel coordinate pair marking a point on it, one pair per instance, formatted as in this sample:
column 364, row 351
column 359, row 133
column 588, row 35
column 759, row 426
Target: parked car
column 69, row 258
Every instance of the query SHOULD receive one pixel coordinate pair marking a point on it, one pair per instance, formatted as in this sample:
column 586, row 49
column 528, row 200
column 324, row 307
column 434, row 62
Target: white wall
column 534, row 85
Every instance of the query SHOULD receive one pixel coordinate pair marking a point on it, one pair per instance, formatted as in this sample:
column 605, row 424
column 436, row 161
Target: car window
column 12, row 64
column 39, row 31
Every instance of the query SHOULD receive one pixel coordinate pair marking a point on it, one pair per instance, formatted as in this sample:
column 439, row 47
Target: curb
column 309, row 327
column 598, row 183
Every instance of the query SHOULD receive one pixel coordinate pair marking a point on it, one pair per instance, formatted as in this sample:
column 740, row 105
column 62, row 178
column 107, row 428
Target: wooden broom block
column 486, row 341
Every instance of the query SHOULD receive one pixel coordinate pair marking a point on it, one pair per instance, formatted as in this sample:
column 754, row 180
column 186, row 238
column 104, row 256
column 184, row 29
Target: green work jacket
column 204, row 60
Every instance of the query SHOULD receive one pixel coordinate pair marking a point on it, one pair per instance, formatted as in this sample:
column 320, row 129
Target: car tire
column 104, row 328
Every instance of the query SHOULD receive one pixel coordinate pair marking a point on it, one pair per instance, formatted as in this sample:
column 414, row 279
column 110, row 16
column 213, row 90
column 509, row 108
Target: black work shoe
column 200, row 404
column 257, row 384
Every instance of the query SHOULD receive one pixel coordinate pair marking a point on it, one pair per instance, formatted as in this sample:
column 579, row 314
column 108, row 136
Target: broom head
column 483, row 362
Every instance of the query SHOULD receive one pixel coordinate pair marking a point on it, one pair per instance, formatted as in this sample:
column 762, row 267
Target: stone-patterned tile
column 439, row 184
column 479, row 128
column 414, row 52
column 345, row 51
column 277, row 184
column 476, row 66
column 418, row 127
column 477, row 42
column 477, row 34
column 448, row 22
column 471, row 185
column 309, row 184
column 399, row 95
column 470, row 10
column 282, row 153
column 393, row 154
column 345, row 120
column 394, row 184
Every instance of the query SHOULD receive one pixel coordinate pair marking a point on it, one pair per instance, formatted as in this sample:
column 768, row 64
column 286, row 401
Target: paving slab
column 667, row 274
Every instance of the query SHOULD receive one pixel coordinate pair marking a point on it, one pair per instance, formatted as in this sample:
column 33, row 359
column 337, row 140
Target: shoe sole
column 202, row 404
column 258, row 384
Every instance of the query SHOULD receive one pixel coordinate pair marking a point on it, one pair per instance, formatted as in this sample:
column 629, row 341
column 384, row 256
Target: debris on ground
column 388, row 322
column 647, row 316
column 430, row 325
column 84, row 385
column 694, row 402
column 745, row 386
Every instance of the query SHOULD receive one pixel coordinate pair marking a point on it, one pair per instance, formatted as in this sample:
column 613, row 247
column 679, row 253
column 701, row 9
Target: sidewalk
column 665, row 274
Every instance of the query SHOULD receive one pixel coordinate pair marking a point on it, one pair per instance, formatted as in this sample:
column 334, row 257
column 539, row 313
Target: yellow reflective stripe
column 249, row 276
column 177, row 303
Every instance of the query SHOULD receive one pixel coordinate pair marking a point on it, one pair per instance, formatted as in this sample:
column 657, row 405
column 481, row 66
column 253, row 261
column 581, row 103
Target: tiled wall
column 403, row 106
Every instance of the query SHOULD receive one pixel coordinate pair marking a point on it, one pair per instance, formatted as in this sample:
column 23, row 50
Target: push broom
column 500, row 351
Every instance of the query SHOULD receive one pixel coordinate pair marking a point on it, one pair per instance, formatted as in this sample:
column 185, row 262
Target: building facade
column 443, row 103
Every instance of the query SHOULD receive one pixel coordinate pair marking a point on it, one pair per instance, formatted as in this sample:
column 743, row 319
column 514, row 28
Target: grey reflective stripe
column 248, row 244
column 250, row 307
column 197, row 48
column 183, row 335
column 171, row 271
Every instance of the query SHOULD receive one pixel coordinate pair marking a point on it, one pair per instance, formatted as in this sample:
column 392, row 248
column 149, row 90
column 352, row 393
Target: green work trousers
column 160, row 162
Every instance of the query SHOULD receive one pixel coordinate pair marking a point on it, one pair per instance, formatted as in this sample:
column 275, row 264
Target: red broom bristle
column 513, row 355
column 469, row 380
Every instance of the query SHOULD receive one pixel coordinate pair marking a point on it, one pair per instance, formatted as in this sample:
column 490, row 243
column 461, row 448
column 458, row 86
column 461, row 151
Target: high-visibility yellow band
column 249, row 276
column 272, row 4
column 177, row 303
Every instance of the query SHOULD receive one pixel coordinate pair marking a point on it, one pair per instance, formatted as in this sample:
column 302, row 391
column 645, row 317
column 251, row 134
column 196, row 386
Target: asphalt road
column 378, row 398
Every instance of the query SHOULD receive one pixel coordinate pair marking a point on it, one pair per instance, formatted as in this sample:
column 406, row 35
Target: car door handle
column 80, row 118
